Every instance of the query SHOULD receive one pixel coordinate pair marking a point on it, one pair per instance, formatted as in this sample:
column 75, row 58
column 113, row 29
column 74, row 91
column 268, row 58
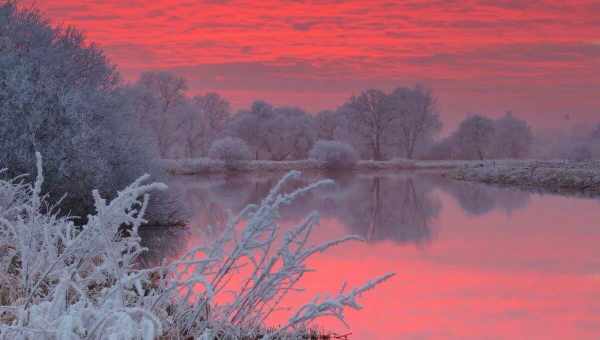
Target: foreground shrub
column 60, row 281
column 335, row 155
column 229, row 150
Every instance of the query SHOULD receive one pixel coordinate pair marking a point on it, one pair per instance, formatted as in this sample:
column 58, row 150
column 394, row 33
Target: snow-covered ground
column 553, row 176
column 206, row 165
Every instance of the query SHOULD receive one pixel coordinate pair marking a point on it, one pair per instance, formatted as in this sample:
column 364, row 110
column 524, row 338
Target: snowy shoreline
column 205, row 165
column 556, row 176
column 564, row 177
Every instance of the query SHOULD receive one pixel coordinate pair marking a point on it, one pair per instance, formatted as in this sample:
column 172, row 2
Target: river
column 472, row 261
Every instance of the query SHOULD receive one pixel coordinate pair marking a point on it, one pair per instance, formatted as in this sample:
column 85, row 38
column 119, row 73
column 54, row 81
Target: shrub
column 61, row 281
column 335, row 155
column 229, row 150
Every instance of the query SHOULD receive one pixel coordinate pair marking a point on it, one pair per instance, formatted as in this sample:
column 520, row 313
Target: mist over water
column 472, row 260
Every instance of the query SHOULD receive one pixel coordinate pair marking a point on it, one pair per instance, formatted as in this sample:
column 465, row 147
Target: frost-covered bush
column 335, row 155
column 62, row 281
column 229, row 150
column 275, row 133
column 60, row 96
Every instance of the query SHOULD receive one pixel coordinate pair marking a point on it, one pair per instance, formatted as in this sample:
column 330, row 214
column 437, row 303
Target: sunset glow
column 540, row 59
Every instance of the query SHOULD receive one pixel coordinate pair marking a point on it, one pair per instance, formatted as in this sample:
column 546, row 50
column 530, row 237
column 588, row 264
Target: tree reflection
column 479, row 199
column 378, row 208
column 398, row 209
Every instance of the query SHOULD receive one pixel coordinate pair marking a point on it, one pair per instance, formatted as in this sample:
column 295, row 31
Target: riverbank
column 560, row 176
column 205, row 165
column 564, row 177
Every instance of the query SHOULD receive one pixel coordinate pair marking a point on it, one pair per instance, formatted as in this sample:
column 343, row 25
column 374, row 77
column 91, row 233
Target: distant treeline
column 404, row 123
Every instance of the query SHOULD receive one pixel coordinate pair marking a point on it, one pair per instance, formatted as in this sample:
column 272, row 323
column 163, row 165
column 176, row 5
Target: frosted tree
column 275, row 133
column 445, row 148
column 249, row 125
column 205, row 121
column 369, row 122
column 160, row 103
column 417, row 121
column 289, row 134
column 380, row 124
column 61, row 96
column 327, row 122
column 512, row 138
column 475, row 137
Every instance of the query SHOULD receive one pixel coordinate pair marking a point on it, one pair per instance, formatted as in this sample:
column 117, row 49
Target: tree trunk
column 480, row 153
column 410, row 151
column 377, row 151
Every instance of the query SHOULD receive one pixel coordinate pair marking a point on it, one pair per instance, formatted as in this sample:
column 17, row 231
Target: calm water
column 472, row 261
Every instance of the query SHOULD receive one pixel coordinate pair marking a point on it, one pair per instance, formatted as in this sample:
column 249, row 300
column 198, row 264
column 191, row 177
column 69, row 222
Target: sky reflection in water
column 472, row 261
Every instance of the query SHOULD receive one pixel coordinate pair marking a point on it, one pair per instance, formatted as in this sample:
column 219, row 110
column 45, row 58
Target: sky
column 538, row 58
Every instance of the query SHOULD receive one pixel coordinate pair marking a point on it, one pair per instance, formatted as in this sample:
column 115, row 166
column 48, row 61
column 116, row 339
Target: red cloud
column 494, row 55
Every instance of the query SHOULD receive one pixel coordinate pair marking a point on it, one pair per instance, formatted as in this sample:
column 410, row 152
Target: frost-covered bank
column 552, row 176
column 206, row 165
column 63, row 281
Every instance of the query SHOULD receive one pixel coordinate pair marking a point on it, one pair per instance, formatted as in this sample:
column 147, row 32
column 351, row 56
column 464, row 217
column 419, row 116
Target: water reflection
column 162, row 244
column 400, row 208
column 397, row 208
column 477, row 199
column 488, row 262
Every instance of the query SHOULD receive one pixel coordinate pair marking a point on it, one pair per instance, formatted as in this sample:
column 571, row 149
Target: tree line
column 376, row 124
column 403, row 123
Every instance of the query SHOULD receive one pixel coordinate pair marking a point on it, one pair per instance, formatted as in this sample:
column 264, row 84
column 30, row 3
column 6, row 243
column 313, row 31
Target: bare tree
column 446, row 148
column 162, row 103
column 377, row 123
column 369, row 122
column 416, row 119
column 474, row 137
column 327, row 123
column 205, row 121
column 249, row 125
column 512, row 138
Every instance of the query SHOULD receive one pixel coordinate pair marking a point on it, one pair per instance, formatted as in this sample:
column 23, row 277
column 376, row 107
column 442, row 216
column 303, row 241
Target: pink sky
column 539, row 58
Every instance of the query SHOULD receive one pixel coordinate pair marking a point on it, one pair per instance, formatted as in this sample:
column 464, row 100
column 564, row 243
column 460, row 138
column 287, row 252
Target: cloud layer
column 540, row 58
